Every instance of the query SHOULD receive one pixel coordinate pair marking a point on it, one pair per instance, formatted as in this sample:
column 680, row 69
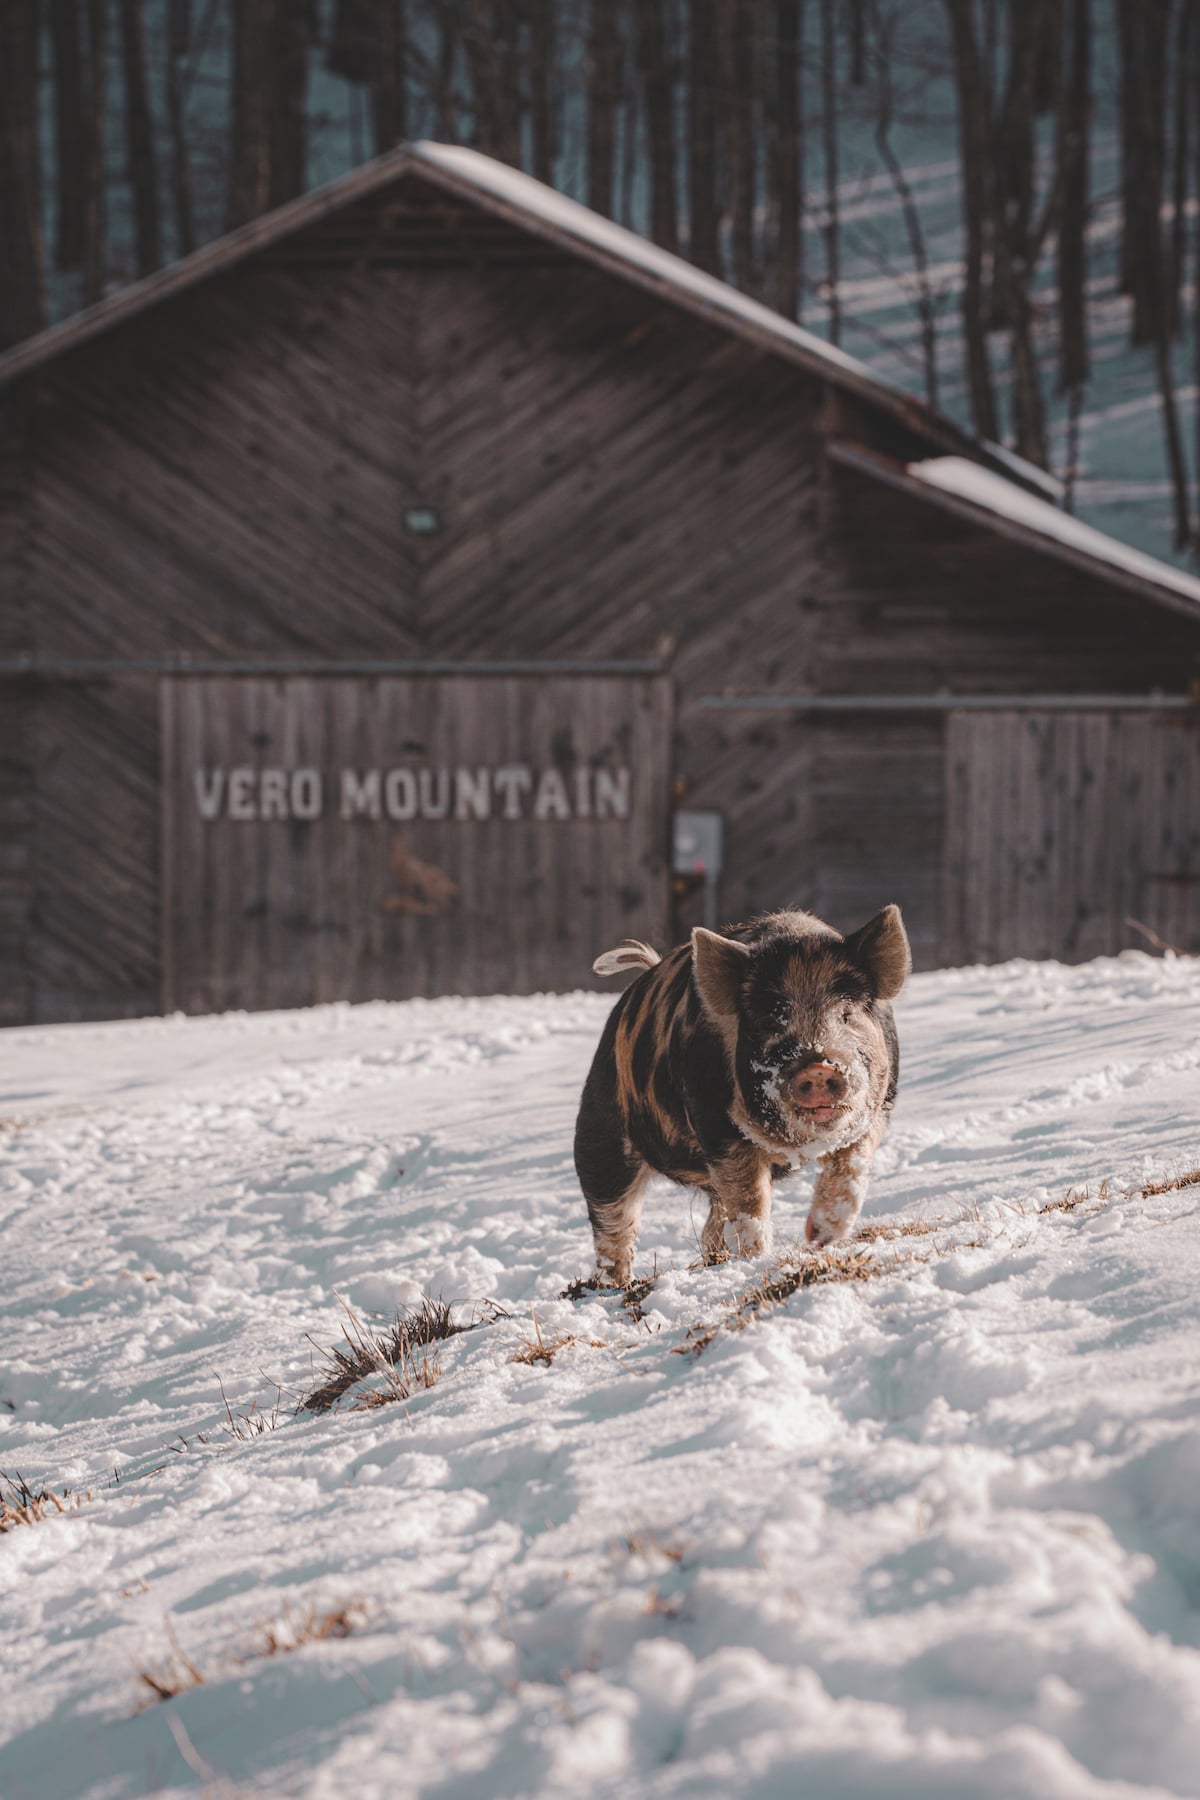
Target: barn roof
column 975, row 479
column 531, row 206
column 965, row 489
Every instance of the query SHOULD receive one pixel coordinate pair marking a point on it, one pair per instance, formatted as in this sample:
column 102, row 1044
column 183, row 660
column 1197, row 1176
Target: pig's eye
column 847, row 1013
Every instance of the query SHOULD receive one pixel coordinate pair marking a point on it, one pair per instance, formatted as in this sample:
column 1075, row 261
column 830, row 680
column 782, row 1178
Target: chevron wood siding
column 227, row 476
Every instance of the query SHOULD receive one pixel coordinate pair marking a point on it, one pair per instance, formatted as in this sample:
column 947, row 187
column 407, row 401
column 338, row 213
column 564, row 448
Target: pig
column 734, row 1060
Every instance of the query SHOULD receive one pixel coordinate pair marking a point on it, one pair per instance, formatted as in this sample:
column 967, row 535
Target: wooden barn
column 409, row 592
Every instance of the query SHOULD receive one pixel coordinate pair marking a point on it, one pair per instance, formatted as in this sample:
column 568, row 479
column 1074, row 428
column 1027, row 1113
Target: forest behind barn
column 993, row 203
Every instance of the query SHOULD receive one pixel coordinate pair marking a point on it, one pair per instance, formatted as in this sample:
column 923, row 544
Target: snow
column 981, row 487
column 929, row 1533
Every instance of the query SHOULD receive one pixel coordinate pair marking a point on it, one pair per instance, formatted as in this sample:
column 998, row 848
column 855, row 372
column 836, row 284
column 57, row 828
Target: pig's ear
column 880, row 948
column 719, row 964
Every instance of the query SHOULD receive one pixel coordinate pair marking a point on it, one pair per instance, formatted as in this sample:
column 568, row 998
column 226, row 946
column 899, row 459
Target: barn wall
column 919, row 600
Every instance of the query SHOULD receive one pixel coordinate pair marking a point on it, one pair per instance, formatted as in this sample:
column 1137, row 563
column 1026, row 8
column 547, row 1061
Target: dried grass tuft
column 816, row 1268
column 389, row 1356
column 1188, row 1178
column 541, row 1349
column 313, row 1626
column 178, row 1674
column 22, row 1505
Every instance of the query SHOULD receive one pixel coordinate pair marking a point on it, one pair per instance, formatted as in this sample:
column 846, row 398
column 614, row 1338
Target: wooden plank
column 297, row 910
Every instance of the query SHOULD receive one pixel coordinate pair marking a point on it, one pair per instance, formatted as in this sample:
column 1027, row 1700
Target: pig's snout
column 818, row 1087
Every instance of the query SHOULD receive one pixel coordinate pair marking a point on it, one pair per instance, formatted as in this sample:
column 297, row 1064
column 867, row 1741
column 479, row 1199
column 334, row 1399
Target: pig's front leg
column 739, row 1220
column 841, row 1187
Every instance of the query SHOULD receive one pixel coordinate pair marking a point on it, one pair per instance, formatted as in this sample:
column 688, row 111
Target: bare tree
column 830, row 142
column 659, row 90
column 22, row 302
column 69, row 107
column 179, row 36
column 886, row 25
column 975, row 157
column 743, row 143
column 787, row 157
column 94, row 198
column 603, row 90
column 292, row 30
column 703, row 242
column 541, row 86
column 1143, row 33
column 139, row 140
column 391, row 77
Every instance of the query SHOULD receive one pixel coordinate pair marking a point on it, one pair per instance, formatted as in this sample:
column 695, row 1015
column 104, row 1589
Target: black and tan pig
column 734, row 1060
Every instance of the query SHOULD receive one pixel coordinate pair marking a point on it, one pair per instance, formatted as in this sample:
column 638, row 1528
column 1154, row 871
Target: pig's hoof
column 820, row 1232
column 746, row 1237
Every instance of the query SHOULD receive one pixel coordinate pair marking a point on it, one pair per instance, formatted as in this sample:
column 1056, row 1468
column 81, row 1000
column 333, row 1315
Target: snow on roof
column 967, row 481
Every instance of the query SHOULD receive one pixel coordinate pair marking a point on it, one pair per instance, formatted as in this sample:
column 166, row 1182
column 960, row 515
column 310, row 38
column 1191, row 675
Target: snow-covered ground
column 931, row 1533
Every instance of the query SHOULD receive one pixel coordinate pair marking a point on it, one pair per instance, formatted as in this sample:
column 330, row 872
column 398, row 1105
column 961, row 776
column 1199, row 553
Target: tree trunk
column 507, row 41
column 354, row 41
column 93, row 187
column 703, row 243
column 1144, row 29
column 858, row 42
column 288, row 148
column 179, row 32
column 1182, row 169
column 444, row 103
column 391, row 77
column 974, row 113
column 22, row 302
column 139, row 138
column 660, row 122
column 1073, row 121
column 541, row 87
column 1012, row 225
column 926, row 309
column 69, row 106
column 743, row 146
column 830, row 141
column 603, row 83
column 250, row 150
column 787, row 160
column 493, row 55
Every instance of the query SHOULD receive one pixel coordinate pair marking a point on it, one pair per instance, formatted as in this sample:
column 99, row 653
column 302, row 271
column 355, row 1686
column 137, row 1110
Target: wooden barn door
column 336, row 838
column 1061, row 827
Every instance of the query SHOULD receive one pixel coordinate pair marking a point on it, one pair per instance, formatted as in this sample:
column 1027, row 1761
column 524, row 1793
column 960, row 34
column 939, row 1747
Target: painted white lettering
column 512, row 781
column 431, row 808
column 612, row 794
column 551, row 800
column 273, row 794
column 400, row 794
column 472, row 794
column 583, row 792
column 241, row 794
column 210, row 791
column 360, row 796
column 306, row 794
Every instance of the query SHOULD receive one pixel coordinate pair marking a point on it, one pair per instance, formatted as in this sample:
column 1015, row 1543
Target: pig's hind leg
column 841, row 1187
column 612, row 1177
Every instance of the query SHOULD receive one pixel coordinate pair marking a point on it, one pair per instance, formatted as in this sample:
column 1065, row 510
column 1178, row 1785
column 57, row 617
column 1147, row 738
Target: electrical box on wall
column 698, row 848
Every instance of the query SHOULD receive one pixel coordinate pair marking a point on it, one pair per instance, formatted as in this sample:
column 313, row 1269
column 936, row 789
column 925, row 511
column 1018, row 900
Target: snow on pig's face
column 805, row 1015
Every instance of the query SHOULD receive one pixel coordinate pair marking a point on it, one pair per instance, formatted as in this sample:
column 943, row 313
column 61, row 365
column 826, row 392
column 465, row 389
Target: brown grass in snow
column 22, row 1505
column 389, row 1357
